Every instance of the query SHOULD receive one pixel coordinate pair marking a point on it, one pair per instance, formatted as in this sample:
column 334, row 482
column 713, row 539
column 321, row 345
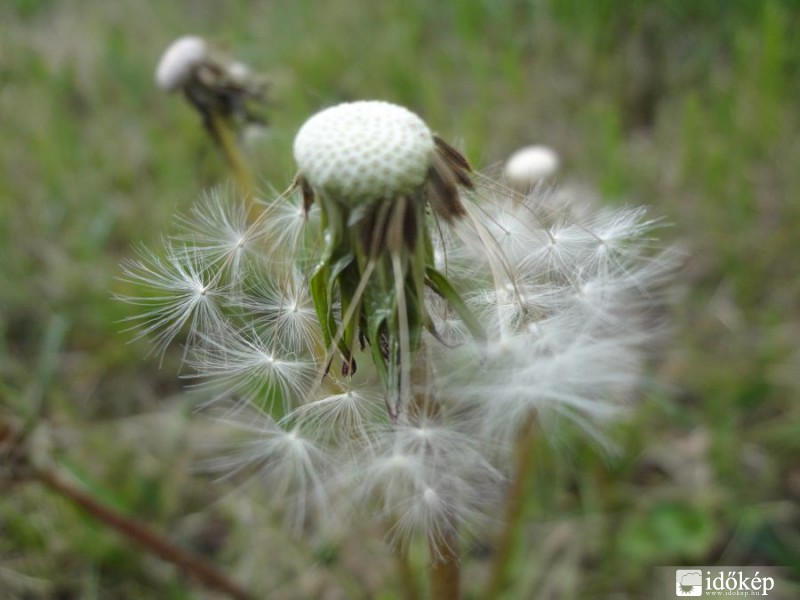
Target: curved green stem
column 409, row 588
column 225, row 136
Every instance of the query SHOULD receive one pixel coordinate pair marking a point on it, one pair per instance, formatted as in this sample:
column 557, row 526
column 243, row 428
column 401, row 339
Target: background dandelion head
column 179, row 61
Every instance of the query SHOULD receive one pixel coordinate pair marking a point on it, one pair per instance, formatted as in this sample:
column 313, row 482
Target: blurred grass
column 689, row 106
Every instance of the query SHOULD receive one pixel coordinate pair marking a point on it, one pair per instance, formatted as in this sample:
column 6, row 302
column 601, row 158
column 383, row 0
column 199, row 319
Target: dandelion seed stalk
column 409, row 587
column 445, row 572
column 514, row 506
column 225, row 136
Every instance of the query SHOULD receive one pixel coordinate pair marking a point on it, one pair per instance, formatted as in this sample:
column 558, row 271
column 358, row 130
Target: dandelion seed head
column 486, row 312
column 364, row 151
column 179, row 61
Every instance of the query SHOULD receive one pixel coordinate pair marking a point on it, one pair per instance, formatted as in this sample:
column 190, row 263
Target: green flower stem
column 225, row 137
column 515, row 503
column 409, row 587
column 443, row 549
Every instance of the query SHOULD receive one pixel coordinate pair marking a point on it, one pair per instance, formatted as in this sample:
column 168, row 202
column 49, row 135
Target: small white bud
column 363, row 151
column 179, row 60
column 531, row 164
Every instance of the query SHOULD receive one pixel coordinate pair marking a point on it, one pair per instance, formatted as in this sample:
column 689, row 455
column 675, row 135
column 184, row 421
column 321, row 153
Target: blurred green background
column 690, row 106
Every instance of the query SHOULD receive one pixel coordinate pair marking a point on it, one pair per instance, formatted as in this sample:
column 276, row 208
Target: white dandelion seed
column 293, row 467
column 292, row 231
column 218, row 229
column 282, row 302
column 250, row 367
column 552, row 368
column 425, row 479
column 346, row 417
column 180, row 289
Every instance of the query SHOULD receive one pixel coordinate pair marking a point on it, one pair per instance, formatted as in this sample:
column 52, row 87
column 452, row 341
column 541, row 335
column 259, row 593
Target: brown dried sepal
column 449, row 170
column 306, row 190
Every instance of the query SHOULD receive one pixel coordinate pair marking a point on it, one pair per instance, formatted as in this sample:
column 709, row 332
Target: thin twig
column 515, row 502
column 140, row 533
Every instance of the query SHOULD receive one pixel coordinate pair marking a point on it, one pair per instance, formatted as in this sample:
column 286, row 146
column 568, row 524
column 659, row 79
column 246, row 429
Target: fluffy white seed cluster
column 567, row 303
column 179, row 60
column 363, row 151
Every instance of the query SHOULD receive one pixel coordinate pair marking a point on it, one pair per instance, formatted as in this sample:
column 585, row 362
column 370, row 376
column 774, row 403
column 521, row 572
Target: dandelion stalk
column 409, row 588
column 225, row 135
column 445, row 571
column 514, row 506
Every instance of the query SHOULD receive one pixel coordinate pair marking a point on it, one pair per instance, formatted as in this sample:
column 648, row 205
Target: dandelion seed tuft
column 177, row 290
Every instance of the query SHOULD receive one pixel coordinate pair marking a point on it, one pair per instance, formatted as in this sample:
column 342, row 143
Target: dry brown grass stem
column 144, row 536
column 445, row 570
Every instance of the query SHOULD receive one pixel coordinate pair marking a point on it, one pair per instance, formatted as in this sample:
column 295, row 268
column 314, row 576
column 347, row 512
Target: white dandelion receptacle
column 364, row 151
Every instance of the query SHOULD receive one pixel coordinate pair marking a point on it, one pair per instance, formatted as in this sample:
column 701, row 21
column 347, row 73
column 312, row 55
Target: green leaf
column 322, row 303
column 442, row 286
column 378, row 309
